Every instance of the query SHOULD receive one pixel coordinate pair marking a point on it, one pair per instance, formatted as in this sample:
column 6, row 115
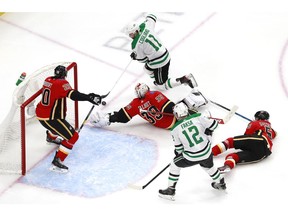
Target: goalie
column 152, row 106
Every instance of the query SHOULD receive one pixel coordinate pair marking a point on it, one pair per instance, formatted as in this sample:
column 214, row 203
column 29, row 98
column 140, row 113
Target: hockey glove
column 208, row 132
column 94, row 98
column 133, row 55
column 99, row 119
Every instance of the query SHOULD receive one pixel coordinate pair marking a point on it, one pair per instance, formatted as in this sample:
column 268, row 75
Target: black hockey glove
column 133, row 55
column 208, row 132
column 94, row 98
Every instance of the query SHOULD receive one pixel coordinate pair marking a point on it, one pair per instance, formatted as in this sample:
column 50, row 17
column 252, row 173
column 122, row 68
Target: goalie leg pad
column 195, row 99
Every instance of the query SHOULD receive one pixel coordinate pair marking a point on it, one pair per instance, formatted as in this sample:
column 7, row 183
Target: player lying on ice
column 255, row 145
column 153, row 106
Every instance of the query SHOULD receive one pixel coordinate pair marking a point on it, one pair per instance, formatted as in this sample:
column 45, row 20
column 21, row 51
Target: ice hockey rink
column 237, row 58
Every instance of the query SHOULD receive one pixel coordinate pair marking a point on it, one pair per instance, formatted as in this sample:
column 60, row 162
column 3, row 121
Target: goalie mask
column 60, row 71
column 261, row 115
column 141, row 89
column 180, row 111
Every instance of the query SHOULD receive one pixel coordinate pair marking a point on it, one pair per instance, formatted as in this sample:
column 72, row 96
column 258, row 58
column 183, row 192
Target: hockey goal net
column 17, row 123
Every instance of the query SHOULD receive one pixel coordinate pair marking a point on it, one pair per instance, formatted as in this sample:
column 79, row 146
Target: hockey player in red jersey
column 51, row 113
column 255, row 145
column 148, row 105
column 153, row 106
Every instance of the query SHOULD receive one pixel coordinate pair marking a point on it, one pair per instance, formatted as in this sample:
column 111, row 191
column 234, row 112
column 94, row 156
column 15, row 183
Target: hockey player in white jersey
column 148, row 48
column 192, row 140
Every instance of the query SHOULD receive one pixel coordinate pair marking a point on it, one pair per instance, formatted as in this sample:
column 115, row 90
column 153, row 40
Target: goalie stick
column 228, row 116
column 144, row 186
column 217, row 104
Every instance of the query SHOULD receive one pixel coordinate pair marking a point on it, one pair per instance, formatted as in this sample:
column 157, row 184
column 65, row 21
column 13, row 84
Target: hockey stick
column 217, row 104
column 144, row 186
column 89, row 113
column 228, row 116
column 83, row 123
column 104, row 96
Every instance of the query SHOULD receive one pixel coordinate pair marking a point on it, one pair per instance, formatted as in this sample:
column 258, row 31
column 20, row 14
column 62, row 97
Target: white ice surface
column 237, row 58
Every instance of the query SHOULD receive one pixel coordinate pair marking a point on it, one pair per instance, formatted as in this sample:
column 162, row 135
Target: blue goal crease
column 101, row 162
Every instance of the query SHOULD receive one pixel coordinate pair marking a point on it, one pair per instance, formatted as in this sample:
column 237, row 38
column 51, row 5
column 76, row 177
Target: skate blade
column 224, row 171
column 167, row 197
column 57, row 169
column 52, row 143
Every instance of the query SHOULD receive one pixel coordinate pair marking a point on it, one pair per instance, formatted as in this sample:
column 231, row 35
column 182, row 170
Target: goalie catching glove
column 99, row 119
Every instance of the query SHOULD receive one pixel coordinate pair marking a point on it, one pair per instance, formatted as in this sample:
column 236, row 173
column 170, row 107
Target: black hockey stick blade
column 144, row 186
column 104, row 96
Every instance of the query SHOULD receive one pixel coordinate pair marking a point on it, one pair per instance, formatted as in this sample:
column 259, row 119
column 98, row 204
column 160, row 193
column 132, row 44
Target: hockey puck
column 103, row 103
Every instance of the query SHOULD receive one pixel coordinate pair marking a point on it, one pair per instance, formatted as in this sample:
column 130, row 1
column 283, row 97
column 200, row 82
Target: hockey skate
column 160, row 87
column 50, row 139
column 188, row 80
column 219, row 186
column 58, row 166
column 168, row 193
column 224, row 169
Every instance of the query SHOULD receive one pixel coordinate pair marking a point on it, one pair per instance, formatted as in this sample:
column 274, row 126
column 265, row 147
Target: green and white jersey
column 190, row 139
column 148, row 47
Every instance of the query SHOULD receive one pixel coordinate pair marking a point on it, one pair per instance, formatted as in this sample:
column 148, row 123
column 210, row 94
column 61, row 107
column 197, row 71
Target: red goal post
column 14, row 128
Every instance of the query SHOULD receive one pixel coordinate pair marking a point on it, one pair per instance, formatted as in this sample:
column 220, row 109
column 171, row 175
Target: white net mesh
column 10, row 128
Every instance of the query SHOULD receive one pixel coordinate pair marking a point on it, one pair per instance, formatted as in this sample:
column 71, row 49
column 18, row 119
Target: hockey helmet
column 131, row 28
column 180, row 111
column 261, row 115
column 60, row 71
column 141, row 89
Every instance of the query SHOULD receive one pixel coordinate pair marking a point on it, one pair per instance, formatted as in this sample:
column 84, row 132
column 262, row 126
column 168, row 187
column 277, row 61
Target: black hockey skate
column 219, row 186
column 188, row 80
column 58, row 166
column 168, row 193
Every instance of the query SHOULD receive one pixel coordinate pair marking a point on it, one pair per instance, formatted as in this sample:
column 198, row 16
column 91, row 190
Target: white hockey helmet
column 131, row 28
column 141, row 89
column 180, row 111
